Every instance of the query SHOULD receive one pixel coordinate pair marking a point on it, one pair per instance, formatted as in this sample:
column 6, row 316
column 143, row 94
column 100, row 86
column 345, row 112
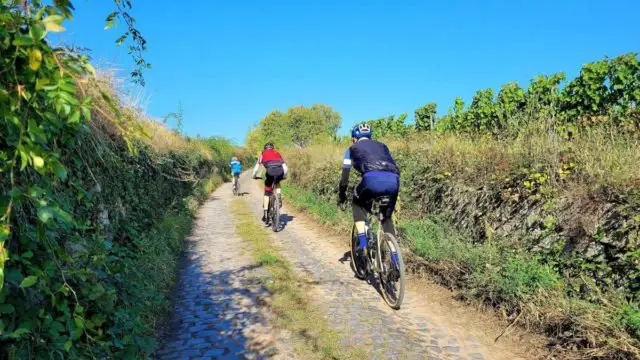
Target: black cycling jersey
column 370, row 155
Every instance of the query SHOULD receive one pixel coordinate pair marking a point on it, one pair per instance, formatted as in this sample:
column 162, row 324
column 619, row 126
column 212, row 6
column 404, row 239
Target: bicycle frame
column 371, row 221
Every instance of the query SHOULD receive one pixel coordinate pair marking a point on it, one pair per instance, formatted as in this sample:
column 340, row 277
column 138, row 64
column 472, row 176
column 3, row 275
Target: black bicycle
column 381, row 258
column 273, row 214
column 236, row 185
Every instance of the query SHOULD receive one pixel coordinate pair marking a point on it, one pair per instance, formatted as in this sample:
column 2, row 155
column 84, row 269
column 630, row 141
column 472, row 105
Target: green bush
column 95, row 200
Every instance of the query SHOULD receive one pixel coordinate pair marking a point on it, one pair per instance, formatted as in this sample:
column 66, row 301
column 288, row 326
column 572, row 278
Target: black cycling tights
column 360, row 214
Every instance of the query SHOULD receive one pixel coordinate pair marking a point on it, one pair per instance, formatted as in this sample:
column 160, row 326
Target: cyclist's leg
column 391, row 189
column 269, row 183
column 277, row 187
column 361, row 205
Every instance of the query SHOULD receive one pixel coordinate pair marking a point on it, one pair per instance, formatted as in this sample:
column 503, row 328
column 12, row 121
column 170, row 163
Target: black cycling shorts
column 372, row 186
column 273, row 177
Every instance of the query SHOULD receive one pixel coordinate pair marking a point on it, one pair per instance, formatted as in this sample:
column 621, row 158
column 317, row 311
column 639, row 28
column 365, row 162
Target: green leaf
column 22, row 40
column 52, row 23
column 45, row 214
column 37, row 32
column 6, row 309
column 74, row 118
column 19, row 332
column 60, row 170
column 24, row 158
column 4, row 234
column 67, row 345
column 79, row 322
column 28, row 255
column 29, row 281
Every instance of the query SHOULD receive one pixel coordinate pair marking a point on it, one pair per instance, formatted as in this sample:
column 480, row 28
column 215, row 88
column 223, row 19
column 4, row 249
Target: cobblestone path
column 359, row 312
column 216, row 312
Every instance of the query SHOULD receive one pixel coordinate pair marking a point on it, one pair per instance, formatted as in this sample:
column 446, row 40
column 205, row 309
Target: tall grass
column 549, row 292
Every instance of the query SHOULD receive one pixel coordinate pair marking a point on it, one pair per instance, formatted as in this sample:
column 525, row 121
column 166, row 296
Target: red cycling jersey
column 271, row 156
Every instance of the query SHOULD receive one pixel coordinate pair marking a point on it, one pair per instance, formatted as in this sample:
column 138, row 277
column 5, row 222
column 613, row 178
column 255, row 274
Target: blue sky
column 232, row 62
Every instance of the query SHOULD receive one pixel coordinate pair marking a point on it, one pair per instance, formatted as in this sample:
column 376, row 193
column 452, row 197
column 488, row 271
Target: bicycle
column 381, row 257
column 236, row 185
column 273, row 213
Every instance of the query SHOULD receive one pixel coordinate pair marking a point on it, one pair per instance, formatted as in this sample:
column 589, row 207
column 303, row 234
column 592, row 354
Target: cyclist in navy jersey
column 380, row 177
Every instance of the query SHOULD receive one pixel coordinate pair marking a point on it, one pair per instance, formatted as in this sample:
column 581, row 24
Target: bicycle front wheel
column 392, row 277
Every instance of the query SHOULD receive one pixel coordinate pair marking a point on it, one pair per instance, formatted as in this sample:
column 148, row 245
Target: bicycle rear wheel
column 358, row 264
column 392, row 277
column 275, row 212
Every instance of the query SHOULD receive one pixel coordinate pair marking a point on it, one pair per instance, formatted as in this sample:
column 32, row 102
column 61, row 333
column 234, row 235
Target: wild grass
column 290, row 302
column 526, row 288
column 601, row 158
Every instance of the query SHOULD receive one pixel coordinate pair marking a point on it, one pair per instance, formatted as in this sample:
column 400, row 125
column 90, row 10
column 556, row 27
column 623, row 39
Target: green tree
column 510, row 103
column 456, row 118
column 425, row 117
column 483, row 111
column 299, row 126
column 624, row 88
column 390, row 126
column 587, row 95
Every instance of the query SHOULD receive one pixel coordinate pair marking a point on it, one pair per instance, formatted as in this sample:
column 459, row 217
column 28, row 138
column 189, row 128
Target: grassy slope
column 498, row 270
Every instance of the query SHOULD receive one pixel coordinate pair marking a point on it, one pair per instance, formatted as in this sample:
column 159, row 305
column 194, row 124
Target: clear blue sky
column 232, row 62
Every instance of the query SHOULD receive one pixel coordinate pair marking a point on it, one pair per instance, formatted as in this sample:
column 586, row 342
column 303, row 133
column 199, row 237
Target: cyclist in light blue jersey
column 236, row 169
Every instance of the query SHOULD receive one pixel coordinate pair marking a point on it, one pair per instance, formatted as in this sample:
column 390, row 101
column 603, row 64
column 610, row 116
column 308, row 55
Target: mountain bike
column 381, row 258
column 273, row 214
column 236, row 185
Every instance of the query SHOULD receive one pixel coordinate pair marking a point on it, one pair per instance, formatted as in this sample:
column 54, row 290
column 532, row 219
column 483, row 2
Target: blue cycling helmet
column 362, row 131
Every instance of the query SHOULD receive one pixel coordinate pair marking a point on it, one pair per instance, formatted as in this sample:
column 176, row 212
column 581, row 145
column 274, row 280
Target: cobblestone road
column 358, row 311
column 216, row 305
column 216, row 312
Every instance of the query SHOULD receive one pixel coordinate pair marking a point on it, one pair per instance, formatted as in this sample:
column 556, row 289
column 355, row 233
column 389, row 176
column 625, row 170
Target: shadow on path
column 212, row 311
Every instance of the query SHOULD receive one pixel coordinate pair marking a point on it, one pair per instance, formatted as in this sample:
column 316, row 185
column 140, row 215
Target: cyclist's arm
column 257, row 167
column 346, row 168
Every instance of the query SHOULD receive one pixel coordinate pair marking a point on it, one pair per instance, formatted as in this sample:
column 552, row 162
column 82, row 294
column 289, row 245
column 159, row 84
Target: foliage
column 390, row 126
column 425, row 117
column 605, row 93
column 299, row 126
column 94, row 200
column 463, row 211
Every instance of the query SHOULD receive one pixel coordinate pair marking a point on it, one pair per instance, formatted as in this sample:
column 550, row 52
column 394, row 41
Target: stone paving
column 217, row 313
column 358, row 310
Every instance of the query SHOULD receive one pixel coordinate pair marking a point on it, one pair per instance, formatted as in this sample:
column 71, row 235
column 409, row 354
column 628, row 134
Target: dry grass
column 123, row 122
column 601, row 157
column 601, row 160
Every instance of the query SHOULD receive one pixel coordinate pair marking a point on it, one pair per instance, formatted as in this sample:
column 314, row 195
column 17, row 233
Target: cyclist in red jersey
column 276, row 171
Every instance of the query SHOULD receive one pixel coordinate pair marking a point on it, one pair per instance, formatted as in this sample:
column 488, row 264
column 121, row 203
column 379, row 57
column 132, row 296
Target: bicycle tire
column 396, row 301
column 358, row 265
column 275, row 212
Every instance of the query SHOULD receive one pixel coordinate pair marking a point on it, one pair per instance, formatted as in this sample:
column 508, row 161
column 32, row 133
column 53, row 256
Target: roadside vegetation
column 95, row 197
column 526, row 201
